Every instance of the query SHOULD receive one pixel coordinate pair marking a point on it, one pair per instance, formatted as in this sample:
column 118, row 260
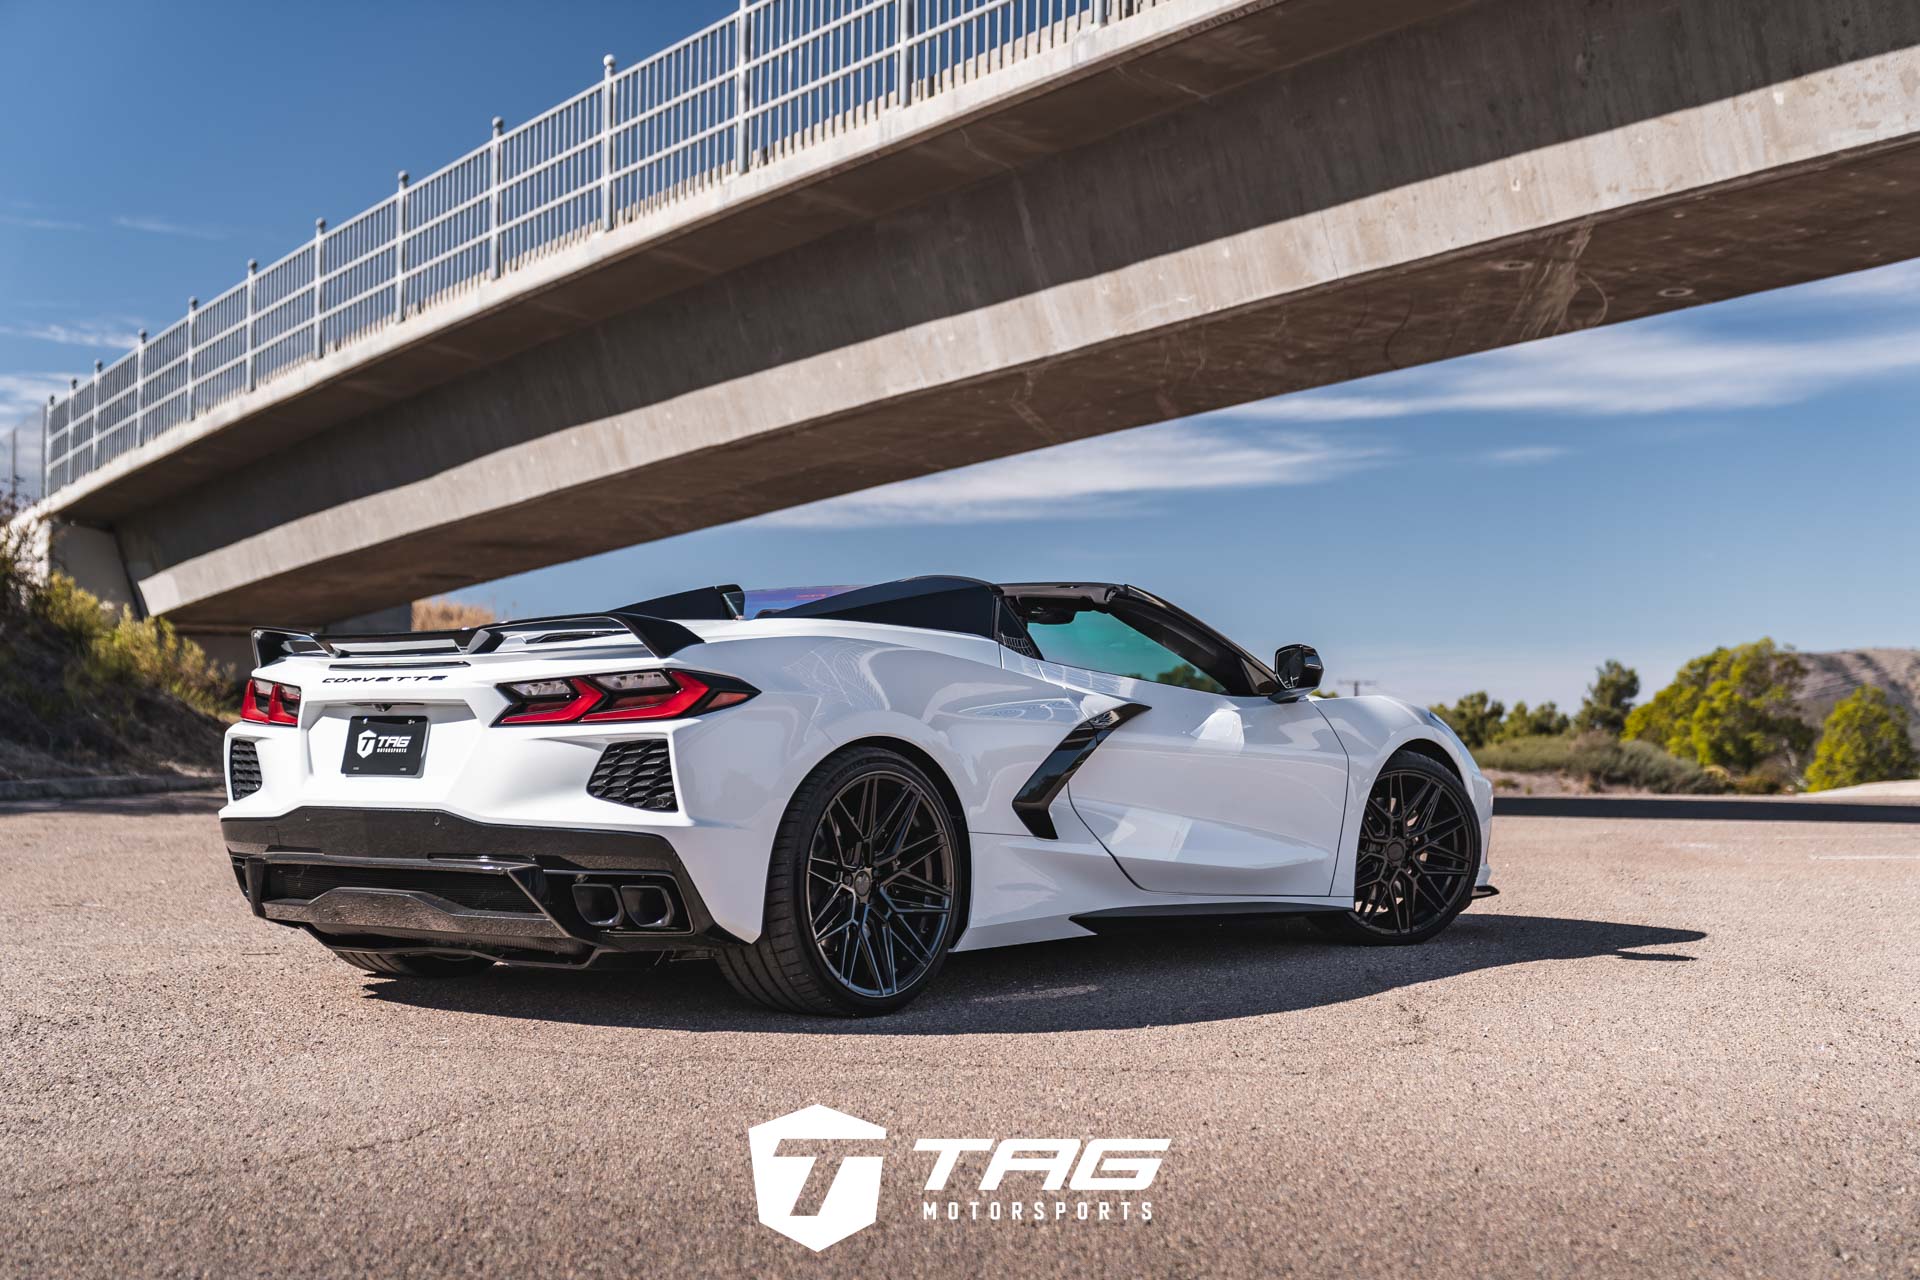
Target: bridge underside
column 1495, row 173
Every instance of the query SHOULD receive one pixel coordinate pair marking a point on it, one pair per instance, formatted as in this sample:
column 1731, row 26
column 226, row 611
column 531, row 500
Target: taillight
column 626, row 695
column 269, row 702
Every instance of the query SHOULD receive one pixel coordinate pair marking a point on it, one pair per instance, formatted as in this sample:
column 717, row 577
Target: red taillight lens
column 649, row 695
column 627, row 695
column 548, row 701
column 267, row 702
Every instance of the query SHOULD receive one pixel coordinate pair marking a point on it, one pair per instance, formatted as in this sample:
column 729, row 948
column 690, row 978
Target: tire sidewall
column 794, row 843
column 1413, row 760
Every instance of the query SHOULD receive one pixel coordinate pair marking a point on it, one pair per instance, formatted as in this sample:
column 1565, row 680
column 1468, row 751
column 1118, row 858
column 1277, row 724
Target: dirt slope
column 1832, row 676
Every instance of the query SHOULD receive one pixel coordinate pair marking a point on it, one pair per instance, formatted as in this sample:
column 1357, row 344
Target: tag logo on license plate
column 393, row 746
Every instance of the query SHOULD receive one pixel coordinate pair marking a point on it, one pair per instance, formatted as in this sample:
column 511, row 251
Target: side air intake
column 243, row 769
column 636, row 774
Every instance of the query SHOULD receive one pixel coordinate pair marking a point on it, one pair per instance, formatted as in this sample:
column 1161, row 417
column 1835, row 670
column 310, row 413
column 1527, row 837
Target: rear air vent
column 636, row 774
column 243, row 769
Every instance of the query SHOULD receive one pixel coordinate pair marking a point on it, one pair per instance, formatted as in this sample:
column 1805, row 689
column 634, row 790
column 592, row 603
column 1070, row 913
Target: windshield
column 761, row 600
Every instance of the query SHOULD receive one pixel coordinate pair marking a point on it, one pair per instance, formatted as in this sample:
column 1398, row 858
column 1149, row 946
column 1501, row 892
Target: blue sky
column 1505, row 521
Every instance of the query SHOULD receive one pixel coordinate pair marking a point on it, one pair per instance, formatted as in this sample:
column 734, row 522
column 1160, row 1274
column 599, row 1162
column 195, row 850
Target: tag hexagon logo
column 852, row 1200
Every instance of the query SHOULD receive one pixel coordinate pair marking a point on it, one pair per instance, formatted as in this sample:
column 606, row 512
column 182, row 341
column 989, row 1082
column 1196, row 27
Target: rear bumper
column 425, row 879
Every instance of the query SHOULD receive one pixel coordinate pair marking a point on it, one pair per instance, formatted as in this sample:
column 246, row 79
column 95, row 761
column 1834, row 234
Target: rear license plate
column 388, row 746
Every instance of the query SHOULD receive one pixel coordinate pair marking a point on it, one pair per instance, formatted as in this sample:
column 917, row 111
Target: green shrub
column 85, row 687
column 1865, row 740
column 1546, row 754
column 1543, row 721
column 1609, row 699
column 113, row 649
column 1475, row 719
column 1601, row 760
column 1732, row 707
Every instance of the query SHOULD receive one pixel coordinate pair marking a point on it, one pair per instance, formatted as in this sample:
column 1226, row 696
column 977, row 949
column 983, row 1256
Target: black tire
column 1418, row 860
column 808, row 959
column 421, row 966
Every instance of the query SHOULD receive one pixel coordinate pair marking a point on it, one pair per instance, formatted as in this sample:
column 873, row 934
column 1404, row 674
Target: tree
column 1865, row 740
column 1609, row 699
column 1543, row 721
column 1732, row 707
column 1475, row 718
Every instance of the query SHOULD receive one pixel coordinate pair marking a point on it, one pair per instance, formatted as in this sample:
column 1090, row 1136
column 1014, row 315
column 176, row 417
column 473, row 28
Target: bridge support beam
column 92, row 558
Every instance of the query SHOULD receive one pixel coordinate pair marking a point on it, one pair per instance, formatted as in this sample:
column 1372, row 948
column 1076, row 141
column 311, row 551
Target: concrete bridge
column 1130, row 212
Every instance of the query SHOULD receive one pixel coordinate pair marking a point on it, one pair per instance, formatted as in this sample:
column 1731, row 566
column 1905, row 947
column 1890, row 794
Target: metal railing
column 763, row 83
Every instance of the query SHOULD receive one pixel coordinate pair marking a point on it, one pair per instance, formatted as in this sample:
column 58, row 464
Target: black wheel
column 864, row 892
column 422, row 966
column 1419, row 856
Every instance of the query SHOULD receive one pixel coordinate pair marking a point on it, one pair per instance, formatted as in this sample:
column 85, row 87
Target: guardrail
column 770, row 80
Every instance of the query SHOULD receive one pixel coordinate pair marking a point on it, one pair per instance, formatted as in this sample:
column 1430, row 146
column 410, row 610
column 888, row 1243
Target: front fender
column 1371, row 729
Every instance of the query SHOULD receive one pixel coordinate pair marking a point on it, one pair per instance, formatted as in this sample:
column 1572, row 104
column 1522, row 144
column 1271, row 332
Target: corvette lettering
column 377, row 679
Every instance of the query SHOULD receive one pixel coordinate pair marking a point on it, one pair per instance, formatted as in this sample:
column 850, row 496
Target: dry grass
column 1596, row 762
column 442, row 614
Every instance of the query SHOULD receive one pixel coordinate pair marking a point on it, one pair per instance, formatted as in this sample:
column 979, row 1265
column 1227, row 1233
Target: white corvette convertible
column 829, row 791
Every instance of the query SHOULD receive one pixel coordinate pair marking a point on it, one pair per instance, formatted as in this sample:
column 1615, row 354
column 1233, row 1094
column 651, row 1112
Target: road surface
column 1669, row 1047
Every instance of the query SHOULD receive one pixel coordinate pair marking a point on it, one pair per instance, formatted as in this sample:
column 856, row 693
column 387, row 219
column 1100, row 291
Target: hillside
column 1832, row 676
column 103, row 699
column 85, row 690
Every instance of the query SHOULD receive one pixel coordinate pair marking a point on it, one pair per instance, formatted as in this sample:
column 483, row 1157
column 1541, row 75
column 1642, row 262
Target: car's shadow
column 1174, row 975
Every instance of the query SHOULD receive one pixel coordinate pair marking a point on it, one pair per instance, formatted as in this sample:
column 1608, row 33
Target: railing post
column 253, row 272
column 47, row 425
column 493, row 202
column 193, row 308
column 400, row 250
column 1099, row 13
column 741, row 52
column 903, row 63
column 93, row 420
column 46, row 450
column 319, row 287
column 606, row 144
column 140, row 389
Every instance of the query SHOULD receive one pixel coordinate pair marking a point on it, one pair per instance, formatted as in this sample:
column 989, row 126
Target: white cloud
column 163, row 227
column 1613, row 372
column 96, row 335
column 1899, row 282
column 31, row 222
column 1525, row 455
column 26, row 393
column 1092, row 478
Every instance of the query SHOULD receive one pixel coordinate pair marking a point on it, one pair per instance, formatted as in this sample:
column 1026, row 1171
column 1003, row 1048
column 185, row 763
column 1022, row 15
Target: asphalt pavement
column 1668, row 1048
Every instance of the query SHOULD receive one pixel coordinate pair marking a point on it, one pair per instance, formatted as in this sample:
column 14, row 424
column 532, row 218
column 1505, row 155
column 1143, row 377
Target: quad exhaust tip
column 597, row 904
column 636, row 906
column 648, row 906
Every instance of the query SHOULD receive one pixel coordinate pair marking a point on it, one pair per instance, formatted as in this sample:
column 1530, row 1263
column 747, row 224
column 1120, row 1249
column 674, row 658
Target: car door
column 1213, row 790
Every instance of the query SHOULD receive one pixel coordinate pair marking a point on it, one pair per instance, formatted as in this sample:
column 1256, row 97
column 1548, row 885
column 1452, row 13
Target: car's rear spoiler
column 661, row 636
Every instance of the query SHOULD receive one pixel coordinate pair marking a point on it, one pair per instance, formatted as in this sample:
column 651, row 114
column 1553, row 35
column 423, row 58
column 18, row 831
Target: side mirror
column 1299, row 669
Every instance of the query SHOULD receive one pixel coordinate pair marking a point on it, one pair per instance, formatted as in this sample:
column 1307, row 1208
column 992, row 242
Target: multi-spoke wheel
column 1419, row 855
column 864, row 893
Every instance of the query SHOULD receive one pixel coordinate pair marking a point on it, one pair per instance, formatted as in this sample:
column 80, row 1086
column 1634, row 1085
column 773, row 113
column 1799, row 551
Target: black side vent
column 636, row 774
column 243, row 769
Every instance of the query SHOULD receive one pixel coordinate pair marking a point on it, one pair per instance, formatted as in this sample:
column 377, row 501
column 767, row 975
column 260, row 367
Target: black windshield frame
column 1173, row 628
